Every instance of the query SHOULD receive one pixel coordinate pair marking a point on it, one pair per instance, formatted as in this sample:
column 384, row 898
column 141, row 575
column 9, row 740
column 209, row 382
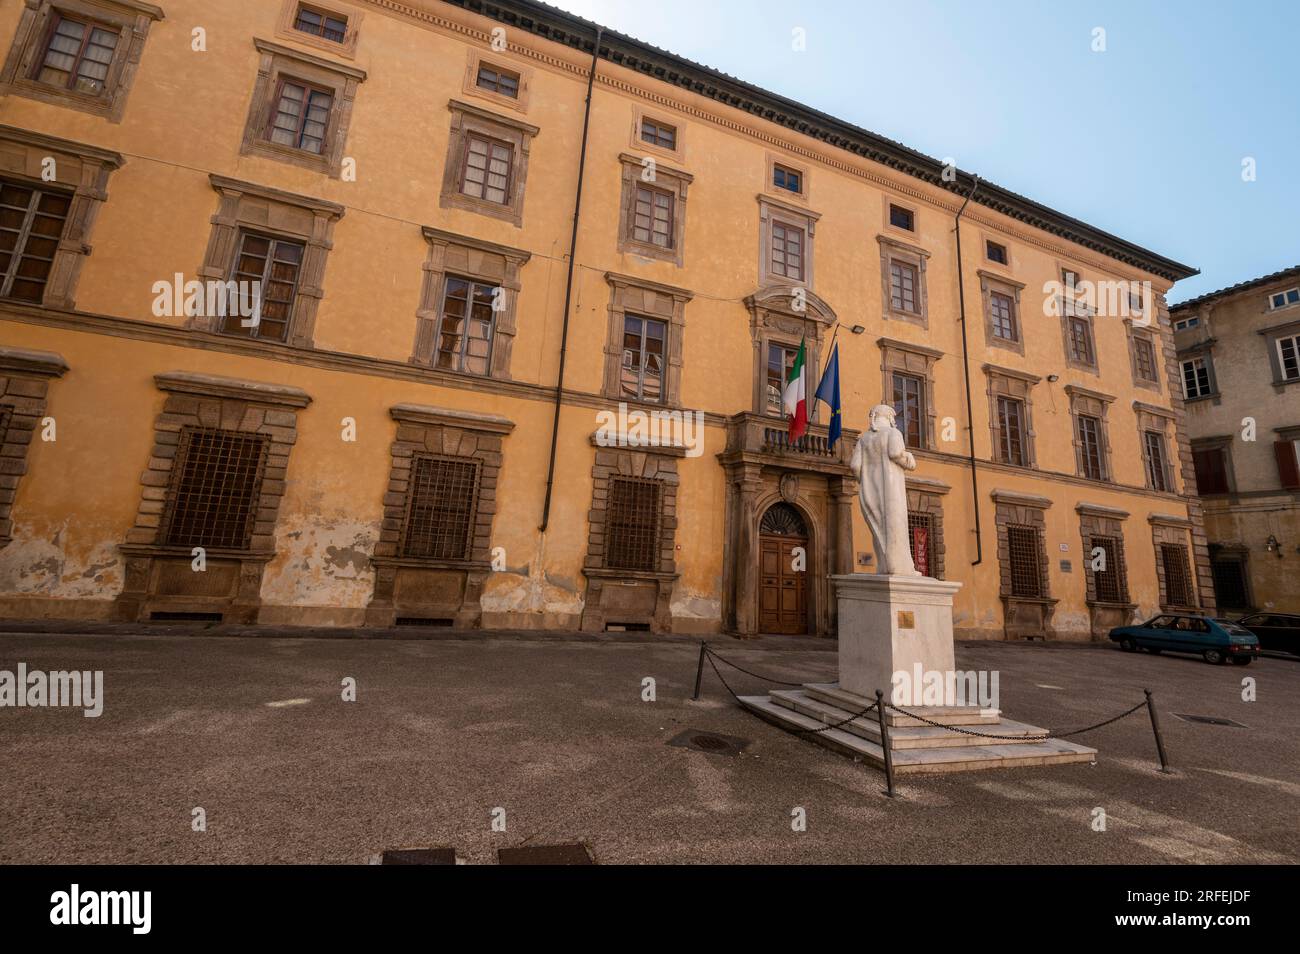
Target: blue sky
column 1145, row 140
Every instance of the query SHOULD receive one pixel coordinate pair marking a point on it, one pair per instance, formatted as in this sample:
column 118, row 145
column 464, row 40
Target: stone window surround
column 771, row 161
column 1016, row 508
column 918, row 361
column 1239, row 554
column 1135, row 331
column 24, row 382
column 482, row 261
column 1271, row 336
column 82, row 169
column 1176, row 530
column 654, row 462
column 497, row 60
column 675, row 182
column 284, row 27
column 985, row 238
column 647, row 299
column 640, row 113
column 773, row 320
column 247, row 206
column 991, row 282
column 1093, row 404
column 1221, row 442
column 279, row 62
column 772, row 210
column 892, row 249
column 132, row 18
column 1008, row 382
column 467, row 118
column 204, row 400
column 1099, row 521
column 893, row 232
column 925, row 495
column 1151, row 417
column 441, row 432
column 1202, row 349
column 1070, row 308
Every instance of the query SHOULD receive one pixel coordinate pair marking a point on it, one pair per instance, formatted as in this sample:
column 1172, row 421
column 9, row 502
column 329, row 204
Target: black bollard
column 884, row 745
column 699, row 671
column 1155, row 727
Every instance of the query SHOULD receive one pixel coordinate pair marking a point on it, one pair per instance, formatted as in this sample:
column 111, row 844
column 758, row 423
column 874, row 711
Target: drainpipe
column 965, row 363
column 568, row 283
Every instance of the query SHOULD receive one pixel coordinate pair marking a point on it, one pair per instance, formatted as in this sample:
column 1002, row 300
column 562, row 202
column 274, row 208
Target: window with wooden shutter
column 441, row 500
column 1091, row 455
column 632, row 526
column 1153, row 443
column 300, row 116
column 78, row 55
column 1211, row 465
column 1024, row 561
column 215, row 489
column 31, row 225
column 1288, row 467
column 1144, row 359
column 1178, row 575
column 1011, row 432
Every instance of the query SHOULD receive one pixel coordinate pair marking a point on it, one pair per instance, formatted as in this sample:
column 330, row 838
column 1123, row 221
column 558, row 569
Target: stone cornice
column 435, row 236
column 897, row 345
column 457, row 105
column 47, row 364
column 1073, row 389
column 227, row 184
column 55, row 144
column 1010, row 373
column 1085, row 509
column 236, row 389
column 1018, row 499
column 631, row 281
column 441, row 416
column 1168, row 520
column 276, row 49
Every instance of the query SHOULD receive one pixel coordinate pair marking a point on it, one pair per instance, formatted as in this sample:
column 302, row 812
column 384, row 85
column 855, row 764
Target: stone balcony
column 763, row 439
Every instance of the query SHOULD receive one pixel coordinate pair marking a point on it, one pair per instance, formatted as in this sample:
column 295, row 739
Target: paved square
column 554, row 731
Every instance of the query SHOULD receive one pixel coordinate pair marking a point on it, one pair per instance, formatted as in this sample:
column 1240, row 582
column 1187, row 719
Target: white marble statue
column 880, row 459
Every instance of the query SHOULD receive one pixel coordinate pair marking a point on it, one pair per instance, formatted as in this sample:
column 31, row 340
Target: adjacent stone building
column 1239, row 364
column 291, row 332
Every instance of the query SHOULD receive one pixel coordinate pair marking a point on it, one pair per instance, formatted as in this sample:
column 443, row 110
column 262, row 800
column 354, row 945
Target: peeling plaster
column 37, row 562
column 321, row 561
column 690, row 606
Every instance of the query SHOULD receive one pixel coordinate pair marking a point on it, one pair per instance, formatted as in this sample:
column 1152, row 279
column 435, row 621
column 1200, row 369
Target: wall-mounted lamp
column 1272, row 546
column 857, row 329
column 1053, row 378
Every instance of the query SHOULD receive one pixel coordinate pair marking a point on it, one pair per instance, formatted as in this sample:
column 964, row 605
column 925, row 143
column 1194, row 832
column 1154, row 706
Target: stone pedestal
column 889, row 624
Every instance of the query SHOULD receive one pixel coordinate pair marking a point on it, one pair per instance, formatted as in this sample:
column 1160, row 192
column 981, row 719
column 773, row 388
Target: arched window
column 783, row 520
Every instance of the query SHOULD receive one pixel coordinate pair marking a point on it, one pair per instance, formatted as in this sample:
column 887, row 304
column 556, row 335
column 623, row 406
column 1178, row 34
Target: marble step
column 925, row 760
column 917, row 736
column 851, row 702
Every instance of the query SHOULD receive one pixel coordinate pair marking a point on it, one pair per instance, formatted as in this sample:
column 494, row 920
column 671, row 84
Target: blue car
column 1214, row 640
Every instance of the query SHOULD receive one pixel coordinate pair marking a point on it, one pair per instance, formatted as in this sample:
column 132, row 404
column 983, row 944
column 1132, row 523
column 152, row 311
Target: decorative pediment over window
column 793, row 301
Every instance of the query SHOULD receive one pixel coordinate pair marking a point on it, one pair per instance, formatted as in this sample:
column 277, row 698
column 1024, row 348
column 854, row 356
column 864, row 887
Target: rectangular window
column 1081, row 340
column 1070, row 279
column 996, row 252
column 632, row 523
column 901, row 218
column 788, row 179
column 902, row 287
column 1091, row 455
column 31, row 224
column 1002, row 311
column 1157, row 470
column 644, row 343
column 780, row 362
column 301, row 116
column 1026, row 569
column 1196, row 378
column 331, row 26
column 1288, row 356
column 652, row 222
column 498, row 81
column 1144, row 359
column 787, row 251
column 920, row 536
column 1287, row 454
column 465, row 326
column 1011, row 431
column 1182, row 324
column 78, row 55
column 271, row 267
column 1283, row 298
column 1106, row 563
column 1178, row 575
column 1230, row 589
column 909, row 408
column 440, row 508
column 658, row 134
column 215, row 489
column 486, row 172
column 1211, row 465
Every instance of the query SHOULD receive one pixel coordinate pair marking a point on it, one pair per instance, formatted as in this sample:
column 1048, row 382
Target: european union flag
column 829, row 392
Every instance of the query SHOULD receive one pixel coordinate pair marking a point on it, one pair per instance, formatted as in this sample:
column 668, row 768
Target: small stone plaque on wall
column 906, row 619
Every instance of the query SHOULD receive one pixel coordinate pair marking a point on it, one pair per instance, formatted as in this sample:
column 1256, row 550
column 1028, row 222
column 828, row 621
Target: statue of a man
column 879, row 460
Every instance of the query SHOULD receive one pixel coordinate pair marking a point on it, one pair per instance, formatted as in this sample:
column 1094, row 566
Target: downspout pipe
column 965, row 363
column 568, row 283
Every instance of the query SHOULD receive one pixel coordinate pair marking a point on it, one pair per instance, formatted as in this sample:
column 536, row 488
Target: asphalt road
column 557, row 734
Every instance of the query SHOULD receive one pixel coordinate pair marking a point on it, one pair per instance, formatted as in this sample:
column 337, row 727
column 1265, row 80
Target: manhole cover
column 576, row 854
column 712, row 742
column 1210, row 720
column 419, row 856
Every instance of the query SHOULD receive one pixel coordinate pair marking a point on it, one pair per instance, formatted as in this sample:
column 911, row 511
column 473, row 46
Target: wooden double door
column 783, row 572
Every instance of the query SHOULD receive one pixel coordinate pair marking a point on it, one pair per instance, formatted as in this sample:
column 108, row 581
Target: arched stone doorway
column 783, row 571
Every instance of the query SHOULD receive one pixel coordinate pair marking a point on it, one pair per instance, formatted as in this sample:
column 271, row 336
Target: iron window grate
column 920, row 534
column 1230, row 583
column 1026, row 565
column 441, row 503
column 1178, row 576
column 1110, row 584
column 215, row 489
column 632, row 523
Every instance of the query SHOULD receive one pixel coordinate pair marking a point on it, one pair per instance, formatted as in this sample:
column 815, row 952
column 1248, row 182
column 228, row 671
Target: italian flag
column 795, row 396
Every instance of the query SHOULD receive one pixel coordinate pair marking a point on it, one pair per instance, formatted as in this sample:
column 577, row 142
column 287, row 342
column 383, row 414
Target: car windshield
column 1230, row 627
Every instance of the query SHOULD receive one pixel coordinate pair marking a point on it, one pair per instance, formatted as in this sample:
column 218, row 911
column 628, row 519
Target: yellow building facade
column 383, row 437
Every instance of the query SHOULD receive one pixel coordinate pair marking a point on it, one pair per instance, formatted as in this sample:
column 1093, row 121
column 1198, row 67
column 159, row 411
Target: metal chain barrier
column 710, row 654
column 1015, row 738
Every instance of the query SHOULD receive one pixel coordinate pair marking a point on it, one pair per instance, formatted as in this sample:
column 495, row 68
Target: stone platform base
column 914, row 746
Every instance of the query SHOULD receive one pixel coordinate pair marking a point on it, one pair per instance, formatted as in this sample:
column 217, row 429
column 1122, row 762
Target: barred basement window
column 215, row 489
column 632, row 523
column 1110, row 579
column 78, row 55
column 1178, row 576
column 920, row 537
column 31, row 224
column 1026, row 571
column 440, row 508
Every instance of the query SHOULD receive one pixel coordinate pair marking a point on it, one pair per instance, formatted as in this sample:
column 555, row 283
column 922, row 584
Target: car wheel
column 1128, row 645
column 1213, row 656
column 1241, row 661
